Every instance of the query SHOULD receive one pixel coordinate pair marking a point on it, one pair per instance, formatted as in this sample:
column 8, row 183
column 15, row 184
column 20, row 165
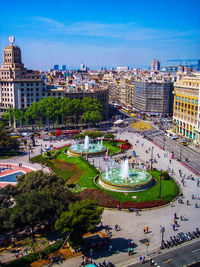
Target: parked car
column 184, row 143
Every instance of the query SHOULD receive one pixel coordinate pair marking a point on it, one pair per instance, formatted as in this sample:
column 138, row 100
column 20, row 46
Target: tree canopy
column 82, row 217
column 37, row 197
column 7, row 143
column 54, row 109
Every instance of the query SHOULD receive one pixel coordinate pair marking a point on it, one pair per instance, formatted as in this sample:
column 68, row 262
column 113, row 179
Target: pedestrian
column 110, row 248
column 187, row 202
column 147, row 229
column 175, row 216
column 144, row 230
column 181, row 217
column 174, row 227
column 91, row 252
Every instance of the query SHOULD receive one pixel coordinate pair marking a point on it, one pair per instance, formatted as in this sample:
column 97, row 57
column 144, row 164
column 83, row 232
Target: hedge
column 26, row 260
column 89, row 165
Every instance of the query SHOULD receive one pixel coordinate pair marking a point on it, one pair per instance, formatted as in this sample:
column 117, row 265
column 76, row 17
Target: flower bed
column 106, row 200
column 124, row 147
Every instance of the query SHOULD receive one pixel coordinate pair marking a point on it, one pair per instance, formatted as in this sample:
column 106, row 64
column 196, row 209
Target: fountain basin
column 138, row 180
column 92, row 150
column 88, row 147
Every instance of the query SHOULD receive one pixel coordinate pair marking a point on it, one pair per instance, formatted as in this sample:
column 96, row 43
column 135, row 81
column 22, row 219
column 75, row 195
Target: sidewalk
column 132, row 226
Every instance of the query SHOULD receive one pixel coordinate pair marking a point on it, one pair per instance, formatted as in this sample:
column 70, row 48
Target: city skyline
column 129, row 33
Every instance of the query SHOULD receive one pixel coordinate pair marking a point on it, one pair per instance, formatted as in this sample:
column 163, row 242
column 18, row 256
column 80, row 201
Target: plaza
column 131, row 226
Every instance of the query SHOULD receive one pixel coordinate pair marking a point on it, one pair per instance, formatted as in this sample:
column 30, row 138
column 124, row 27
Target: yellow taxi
column 184, row 143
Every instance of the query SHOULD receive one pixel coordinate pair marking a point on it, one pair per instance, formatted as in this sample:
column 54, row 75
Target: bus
column 171, row 134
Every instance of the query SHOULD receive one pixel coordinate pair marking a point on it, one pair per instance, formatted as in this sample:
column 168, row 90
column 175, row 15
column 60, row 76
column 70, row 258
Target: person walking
column 147, row 229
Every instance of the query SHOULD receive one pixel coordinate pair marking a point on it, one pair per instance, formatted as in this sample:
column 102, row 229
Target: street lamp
column 180, row 154
column 147, row 245
column 164, row 143
column 160, row 184
column 152, row 158
column 162, row 230
column 41, row 158
column 29, row 148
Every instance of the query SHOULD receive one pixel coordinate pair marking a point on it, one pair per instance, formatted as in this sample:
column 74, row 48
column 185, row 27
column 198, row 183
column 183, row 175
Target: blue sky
column 101, row 33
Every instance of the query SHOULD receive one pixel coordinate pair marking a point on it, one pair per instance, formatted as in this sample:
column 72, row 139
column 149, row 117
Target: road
column 131, row 225
column 180, row 152
column 179, row 256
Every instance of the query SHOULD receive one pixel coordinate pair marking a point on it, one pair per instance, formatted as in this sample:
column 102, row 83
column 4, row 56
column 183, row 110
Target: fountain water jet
column 86, row 142
column 87, row 147
column 125, row 179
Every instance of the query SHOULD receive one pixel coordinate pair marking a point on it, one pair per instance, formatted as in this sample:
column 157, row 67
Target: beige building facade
column 186, row 115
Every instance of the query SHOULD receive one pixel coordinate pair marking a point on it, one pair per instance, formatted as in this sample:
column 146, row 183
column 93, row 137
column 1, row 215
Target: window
column 189, row 100
column 182, row 98
column 186, row 99
column 192, row 101
column 179, row 98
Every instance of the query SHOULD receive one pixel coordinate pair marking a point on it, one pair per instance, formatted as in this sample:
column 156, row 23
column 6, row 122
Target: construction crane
column 197, row 65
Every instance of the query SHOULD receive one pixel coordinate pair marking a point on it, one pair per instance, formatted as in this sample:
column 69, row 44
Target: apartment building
column 19, row 87
column 155, row 65
column 186, row 113
column 153, row 96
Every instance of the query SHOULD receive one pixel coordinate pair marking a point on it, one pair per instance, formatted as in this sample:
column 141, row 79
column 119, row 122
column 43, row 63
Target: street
column 179, row 256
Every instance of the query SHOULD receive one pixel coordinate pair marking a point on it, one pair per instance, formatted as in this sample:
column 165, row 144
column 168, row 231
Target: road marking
column 195, row 250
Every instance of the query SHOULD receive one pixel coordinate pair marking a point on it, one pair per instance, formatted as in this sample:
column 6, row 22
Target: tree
column 75, row 108
column 82, row 217
column 90, row 104
column 33, row 113
column 49, row 107
column 30, row 209
column 38, row 245
column 7, row 195
column 49, row 184
column 92, row 116
column 109, row 136
column 7, row 143
column 64, row 108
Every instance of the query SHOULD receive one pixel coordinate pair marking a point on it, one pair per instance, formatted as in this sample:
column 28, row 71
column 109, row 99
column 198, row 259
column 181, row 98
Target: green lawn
column 169, row 188
column 9, row 155
column 112, row 149
column 85, row 179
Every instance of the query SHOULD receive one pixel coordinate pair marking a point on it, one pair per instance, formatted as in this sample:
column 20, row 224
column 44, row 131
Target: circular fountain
column 125, row 179
column 88, row 147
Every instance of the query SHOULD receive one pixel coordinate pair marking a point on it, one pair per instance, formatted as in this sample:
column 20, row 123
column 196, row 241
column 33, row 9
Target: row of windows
column 188, row 112
column 7, row 105
column 31, row 84
column 7, row 99
column 37, row 94
column 188, row 106
column 4, row 94
column 6, row 89
column 30, row 100
column 27, row 89
column 187, row 100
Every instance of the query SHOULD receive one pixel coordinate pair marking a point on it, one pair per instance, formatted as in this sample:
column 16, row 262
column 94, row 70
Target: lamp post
column 152, row 158
column 41, row 158
column 164, row 143
column 147, row 245
column 180, row 154
column 162, row 230
column 160, row 184
column 29, row 148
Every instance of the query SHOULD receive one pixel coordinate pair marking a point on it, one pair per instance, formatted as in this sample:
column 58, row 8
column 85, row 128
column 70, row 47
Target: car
column 184, row 143
column 46, row 138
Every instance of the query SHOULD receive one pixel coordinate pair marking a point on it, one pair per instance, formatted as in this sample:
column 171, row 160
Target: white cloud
column 126, row 31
